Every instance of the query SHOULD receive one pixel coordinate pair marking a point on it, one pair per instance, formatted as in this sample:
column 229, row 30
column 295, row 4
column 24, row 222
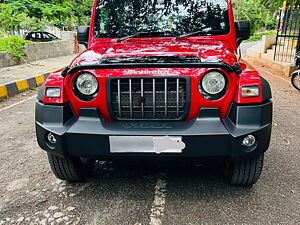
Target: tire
column 296, row 79
column 245, row 172
column 71, row 169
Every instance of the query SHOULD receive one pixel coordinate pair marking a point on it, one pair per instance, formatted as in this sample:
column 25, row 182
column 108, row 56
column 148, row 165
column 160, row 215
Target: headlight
column 87, row 84
column 213, row 83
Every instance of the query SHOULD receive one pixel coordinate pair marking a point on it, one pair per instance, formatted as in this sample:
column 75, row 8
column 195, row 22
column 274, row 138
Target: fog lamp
column 249, row 141
column 51, row 138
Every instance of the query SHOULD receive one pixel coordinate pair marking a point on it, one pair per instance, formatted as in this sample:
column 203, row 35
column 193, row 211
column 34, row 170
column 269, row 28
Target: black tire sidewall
column 294, row 75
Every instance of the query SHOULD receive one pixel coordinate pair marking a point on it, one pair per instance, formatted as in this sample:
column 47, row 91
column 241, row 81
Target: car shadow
column 130, row 189
column 108, row 176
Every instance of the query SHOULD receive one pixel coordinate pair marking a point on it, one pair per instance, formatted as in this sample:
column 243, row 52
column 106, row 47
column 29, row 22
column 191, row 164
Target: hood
column 206, row 51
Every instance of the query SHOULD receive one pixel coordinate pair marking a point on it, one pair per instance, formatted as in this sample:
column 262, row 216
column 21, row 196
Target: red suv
column 159, row 80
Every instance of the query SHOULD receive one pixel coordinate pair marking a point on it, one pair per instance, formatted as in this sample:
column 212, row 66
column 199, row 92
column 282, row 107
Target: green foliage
column 253, row 11
column 273, row 5
column 15, row 45
column 34, row 24
column 41, row 9
column 82, row 11
column 10, row 21
column 261, row 13
column 67, row 14
column 35, row 14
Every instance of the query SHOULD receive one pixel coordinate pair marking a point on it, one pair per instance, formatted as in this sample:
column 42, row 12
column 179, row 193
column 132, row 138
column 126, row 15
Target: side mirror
column 242, row 29
column 83, row 35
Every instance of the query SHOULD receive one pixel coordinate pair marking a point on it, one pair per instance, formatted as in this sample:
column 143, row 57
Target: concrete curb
column 16, row 87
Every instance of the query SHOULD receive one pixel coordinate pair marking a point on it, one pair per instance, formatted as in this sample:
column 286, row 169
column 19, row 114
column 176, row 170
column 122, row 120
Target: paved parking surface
column 20, row 72
column 149, row 194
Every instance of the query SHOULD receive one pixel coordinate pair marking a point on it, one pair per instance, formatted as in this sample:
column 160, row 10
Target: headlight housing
column 213, row 85
column 86, row 86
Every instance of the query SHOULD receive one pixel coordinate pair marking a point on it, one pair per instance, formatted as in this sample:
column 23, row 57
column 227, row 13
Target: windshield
column 119, row 18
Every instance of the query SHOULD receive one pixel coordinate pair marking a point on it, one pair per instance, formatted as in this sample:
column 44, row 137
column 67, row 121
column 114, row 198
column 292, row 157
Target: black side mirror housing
column 243, row 30
column 83, row 35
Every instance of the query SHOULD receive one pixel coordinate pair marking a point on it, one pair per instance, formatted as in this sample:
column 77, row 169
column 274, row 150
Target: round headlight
column 87, row 84
column 213, row 83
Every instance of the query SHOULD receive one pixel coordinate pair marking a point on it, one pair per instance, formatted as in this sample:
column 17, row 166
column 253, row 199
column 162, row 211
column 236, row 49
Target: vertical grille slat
column 166, row 98
column 130, row 98
column 119, row 98
column 154, row 99
column 148, row 98
column 142, row 95
column 177, row 97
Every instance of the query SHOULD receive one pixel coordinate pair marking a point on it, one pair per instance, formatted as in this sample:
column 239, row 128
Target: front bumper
column 208, row 136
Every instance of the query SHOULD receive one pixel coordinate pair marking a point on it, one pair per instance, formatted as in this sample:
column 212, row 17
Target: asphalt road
column 149, row 194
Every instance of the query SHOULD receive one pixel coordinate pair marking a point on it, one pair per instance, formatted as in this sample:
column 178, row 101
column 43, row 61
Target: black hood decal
column 150, row 59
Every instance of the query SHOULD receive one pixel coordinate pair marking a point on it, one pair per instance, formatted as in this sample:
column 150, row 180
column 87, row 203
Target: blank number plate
column 146, row 144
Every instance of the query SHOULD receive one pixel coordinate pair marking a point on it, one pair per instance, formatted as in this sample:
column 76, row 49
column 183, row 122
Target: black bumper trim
column 206, row 136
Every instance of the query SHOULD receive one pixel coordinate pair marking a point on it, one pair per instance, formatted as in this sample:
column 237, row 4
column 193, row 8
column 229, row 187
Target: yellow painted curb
column 3, row 92
column 40, row 79
column 22, row 85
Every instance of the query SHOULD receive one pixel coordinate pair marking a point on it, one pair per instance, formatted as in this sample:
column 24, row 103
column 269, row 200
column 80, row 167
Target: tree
column 10, row 21
column 34, row 24
column 261, row 13
column 33, row 14
column 61, row 13
column 253, row 11
column 42, row 9
column 82, row 11
column 274, row 5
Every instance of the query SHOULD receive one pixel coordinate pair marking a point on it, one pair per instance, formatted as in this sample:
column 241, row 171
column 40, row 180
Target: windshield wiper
column 194, row 33
column 129, row 36
column 138, row 34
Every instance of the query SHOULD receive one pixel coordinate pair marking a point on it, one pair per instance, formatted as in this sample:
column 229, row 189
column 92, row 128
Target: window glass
column 46, row 36
column 117, row 18
column 38, row 36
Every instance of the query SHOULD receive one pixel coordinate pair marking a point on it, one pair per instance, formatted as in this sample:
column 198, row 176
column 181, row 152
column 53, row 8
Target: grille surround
column 141, row 112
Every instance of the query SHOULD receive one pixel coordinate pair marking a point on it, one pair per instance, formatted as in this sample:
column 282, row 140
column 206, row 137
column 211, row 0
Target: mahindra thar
column 160, row 79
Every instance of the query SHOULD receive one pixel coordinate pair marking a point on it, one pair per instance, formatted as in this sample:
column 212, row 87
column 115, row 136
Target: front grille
column 148, row 98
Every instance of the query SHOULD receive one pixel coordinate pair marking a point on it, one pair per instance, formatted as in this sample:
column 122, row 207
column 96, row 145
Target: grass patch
column 258, row 36
column 14, row 45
